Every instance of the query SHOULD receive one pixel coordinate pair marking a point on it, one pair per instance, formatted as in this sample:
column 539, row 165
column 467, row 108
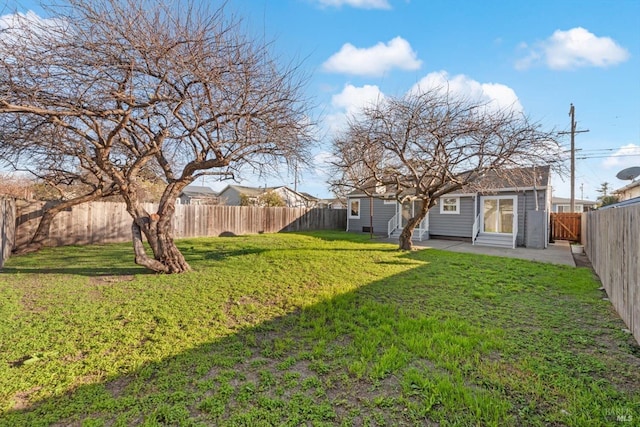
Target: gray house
column 506, row 213
column 197, row 195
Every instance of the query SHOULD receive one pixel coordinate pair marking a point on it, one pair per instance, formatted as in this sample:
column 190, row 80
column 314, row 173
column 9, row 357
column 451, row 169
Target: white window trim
column 389, row 201
column 351, row 216
column 515, row 209
column 456, row 212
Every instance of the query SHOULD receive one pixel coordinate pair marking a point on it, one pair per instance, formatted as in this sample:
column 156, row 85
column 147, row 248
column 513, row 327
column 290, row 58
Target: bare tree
column 427, row 144
column 119, row 87
column 16, row 186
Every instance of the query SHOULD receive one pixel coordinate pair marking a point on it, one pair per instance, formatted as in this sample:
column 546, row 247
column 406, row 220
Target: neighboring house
column 627, row 202
column 197, row 195
column 336, row 204
column 629, row 191
column 330, row 203
column 507, row 213
column 562, row 205
column 312, row 201
column 232, row 195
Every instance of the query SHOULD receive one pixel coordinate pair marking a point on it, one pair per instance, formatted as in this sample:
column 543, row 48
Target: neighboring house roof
column 257, row 191
column 309, row 197
column 249, row 191
column 198, row 191
column 514, row 178
column 628, row 202
column 629, row 186
column 633, row 184
column 567, row 201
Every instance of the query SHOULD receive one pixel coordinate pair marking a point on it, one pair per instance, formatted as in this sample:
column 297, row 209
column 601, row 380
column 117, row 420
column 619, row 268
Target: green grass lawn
column 322, row 328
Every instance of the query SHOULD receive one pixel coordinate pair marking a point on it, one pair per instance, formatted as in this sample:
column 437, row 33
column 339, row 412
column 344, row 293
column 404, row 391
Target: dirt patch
column 21, row 400
column 117, row 386
column 103, row 280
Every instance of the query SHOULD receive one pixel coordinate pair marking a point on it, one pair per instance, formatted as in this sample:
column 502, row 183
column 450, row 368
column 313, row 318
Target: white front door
column 498, row 214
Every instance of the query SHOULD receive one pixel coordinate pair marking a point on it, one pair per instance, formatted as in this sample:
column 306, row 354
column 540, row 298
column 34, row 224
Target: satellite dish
column 629, row 174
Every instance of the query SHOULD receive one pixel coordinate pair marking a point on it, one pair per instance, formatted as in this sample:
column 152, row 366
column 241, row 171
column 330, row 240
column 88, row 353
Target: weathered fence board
column 7, row 227
column 103, row 222
column 565, row 226
column 612, row 243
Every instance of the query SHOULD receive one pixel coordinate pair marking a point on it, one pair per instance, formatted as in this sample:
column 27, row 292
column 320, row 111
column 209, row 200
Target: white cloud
column 359, row 4
column 352, row 98
column 577, row 47
column 375, row 60
column 16, row 21
column 626, row 156
column 496, row 95
column 15, row 27
column 349, row 103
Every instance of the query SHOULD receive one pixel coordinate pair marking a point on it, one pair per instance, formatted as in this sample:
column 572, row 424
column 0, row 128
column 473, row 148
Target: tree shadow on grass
column 117, row 259
column 410, row 349
column 90, row 272
column 106, row 260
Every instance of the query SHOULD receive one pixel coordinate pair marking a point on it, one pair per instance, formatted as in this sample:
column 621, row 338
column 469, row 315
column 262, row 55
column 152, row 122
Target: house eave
column 488, row 191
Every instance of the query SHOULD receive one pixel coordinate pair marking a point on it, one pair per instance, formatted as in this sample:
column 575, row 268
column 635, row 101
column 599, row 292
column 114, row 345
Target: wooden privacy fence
column 7, row 227
column 104, row 222
column 612, row 243
column 566, row 226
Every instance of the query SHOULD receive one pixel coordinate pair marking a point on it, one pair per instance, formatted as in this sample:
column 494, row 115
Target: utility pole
column 572, row 113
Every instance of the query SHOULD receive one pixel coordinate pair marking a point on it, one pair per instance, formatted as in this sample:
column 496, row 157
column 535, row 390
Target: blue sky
column 537, row 55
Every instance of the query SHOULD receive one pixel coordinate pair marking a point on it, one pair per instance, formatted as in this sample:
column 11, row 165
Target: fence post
column 7, row 227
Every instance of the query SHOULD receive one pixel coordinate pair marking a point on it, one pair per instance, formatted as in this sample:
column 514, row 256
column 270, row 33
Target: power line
column 607, row 156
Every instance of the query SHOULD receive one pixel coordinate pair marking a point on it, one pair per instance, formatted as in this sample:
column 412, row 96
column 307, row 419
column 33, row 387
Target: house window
column 354, row 209
column 450, row 205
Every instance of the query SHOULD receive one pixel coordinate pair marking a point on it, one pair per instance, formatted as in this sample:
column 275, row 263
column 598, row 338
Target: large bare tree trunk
column 167, row 257
column 156, row 227
column 405, row 237
column 405, row 243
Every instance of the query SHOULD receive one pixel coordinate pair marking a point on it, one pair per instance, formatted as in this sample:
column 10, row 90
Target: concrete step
column 494, row 240
column 396, row 234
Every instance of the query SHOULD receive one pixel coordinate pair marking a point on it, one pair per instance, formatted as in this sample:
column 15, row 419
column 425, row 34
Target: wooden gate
column 565, row 226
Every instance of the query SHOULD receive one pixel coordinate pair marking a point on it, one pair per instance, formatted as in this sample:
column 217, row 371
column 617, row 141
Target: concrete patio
column 557, row 253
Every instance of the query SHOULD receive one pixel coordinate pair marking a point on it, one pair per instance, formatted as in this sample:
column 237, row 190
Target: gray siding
column 230, row 197
column 452, row 225
column 526, row 202
column 382, row 213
